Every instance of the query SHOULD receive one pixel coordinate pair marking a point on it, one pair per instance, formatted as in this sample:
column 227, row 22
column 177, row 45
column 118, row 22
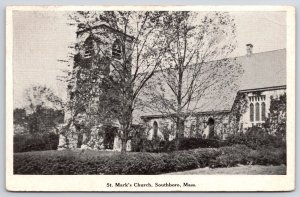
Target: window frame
column 251, row 112
column 257, row 111
column 116, row 51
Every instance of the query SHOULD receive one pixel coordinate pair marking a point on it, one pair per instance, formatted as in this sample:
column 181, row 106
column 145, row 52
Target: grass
column 246, row 170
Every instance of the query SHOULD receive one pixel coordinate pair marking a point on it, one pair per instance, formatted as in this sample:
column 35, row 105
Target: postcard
column 150, row 98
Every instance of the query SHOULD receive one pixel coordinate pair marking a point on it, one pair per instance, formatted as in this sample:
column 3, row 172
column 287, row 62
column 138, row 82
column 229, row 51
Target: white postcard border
column 203, row 182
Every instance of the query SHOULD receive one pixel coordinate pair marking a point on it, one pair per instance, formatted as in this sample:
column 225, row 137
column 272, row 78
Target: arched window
column 257, row 111
column 155, row 129
column 192, row 130
column 211, row 124
column 263, row 111
column 117, row 50
column 88, row 47
column 251, row 112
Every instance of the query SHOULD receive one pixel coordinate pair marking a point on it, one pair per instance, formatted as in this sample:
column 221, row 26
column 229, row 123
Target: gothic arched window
column 155, row 129
column 263, row 111
column 251, row 112
column 257, row 111
column 88, row 47
column 117, row 50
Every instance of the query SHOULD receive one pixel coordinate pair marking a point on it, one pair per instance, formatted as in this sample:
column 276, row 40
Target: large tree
column 43, row 111
column 195, row 64
column 118, row 93
column 41, row 96
column 276, row 120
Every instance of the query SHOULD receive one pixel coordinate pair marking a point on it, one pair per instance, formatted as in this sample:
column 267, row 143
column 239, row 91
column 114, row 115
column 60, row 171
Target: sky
column 40, row 39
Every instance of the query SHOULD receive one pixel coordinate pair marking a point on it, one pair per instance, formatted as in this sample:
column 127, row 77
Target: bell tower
column 100, row 52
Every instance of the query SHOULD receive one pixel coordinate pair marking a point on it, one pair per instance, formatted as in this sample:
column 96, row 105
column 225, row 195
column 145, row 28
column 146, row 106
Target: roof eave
column 197, row 113
column 263, row 89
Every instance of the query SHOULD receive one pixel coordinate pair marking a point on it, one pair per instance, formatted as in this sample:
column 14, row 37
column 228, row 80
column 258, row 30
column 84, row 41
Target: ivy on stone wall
column 239, row 107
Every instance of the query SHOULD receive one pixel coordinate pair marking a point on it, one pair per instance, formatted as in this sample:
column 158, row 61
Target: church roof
column 260, row 70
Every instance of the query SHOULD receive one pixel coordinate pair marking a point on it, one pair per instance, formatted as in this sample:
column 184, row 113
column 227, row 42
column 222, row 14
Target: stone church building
column 264, row 76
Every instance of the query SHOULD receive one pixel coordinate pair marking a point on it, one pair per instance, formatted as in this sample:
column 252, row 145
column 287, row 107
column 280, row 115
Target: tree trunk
column 124, row 139
column 179, row 128
column 124, row 145
column 179, row 132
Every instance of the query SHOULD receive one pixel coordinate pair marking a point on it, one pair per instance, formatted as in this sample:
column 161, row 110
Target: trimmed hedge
column 72, row 162
column 193, row 143
column 256, row 138
column 170, row 146
column 35, row 142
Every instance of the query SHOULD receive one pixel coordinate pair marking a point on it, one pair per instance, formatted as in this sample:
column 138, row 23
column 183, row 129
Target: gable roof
column 261, row 70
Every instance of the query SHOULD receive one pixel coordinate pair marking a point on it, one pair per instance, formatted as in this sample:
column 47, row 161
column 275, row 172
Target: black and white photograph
column 191, row 91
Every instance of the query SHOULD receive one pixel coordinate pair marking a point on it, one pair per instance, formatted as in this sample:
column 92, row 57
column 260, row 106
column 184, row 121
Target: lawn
column 249, row 170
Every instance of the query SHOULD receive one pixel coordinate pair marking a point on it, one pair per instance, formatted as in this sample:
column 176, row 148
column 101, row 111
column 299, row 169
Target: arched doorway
column 109, row 136
column 211, row 125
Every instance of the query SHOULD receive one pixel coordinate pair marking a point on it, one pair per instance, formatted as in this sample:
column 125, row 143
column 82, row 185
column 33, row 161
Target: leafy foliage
column 182, row 144
column 42, row 120
column 276, row 122
column 42, row 113
column 120, row 80
column 20, row 116
column 256, row 138
column 36, row 126
column 70, row 162
column 195, row 64
column 35, row 142
column 41, row 96
column 239, row 107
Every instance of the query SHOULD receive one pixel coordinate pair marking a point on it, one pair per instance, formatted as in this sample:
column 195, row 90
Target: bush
column 268, row 156
column 35, row 142
column 89, row 162
column 241, row 154
column 256, row 138
column 170, row 146
column 181, row 161
column 232, row 155
column 206, row 157
column 193, row 143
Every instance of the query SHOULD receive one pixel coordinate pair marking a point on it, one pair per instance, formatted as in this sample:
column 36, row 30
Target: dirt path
column 249, row 170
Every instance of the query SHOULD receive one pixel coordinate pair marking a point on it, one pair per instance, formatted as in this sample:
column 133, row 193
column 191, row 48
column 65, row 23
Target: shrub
column 268, row 156
column 181, row 161
column 232, row 155
column 85, row 162
column 241, row 154
column 146, row 163
column 170, row 146
column 256, row 138
column 35, row 142
column 205, row 157
column 193, row 143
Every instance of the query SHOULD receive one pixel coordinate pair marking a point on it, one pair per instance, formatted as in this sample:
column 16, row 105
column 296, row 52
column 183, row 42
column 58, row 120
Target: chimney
column 249, row 48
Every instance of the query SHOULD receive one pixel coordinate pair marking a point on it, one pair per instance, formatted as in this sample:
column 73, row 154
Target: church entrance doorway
column 211, row 127
column 109, row 135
